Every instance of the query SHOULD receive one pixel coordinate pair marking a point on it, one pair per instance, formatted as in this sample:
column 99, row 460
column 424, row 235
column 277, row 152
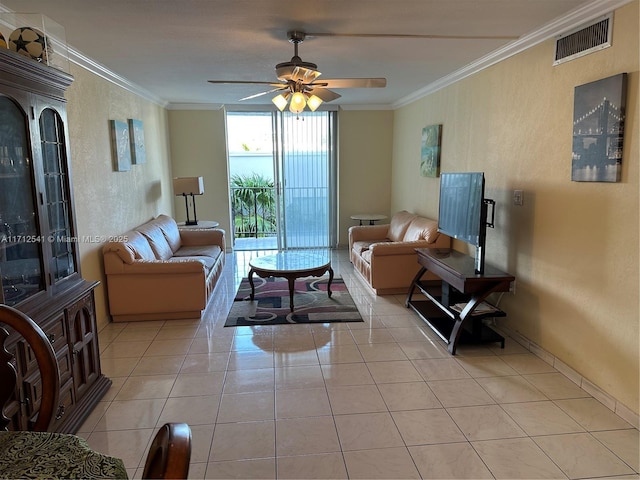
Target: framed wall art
column 430, row 151
column 136, row 135
column 120, row 147
column 598, row 130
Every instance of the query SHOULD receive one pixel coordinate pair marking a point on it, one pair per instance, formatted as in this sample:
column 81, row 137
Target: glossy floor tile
column 376, row 399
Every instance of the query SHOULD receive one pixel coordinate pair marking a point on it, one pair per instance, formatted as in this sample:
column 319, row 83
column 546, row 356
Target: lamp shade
column 280, row 101
column 188, row 186
column 297, row 103
column 313, row 102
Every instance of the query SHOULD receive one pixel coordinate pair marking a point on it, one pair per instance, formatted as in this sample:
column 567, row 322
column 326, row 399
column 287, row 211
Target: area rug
column 310, row 301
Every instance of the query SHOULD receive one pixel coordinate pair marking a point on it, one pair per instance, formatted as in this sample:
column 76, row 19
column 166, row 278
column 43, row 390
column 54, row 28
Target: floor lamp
column 189, row 186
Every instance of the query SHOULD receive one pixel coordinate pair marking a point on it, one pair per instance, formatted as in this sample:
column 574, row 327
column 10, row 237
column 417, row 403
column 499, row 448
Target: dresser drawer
column 56, row 331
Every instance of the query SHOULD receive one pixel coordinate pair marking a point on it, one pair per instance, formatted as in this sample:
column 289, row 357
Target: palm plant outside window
column 253, row 206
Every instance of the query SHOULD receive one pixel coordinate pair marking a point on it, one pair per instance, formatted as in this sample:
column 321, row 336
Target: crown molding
column 78, row 58
column 367, row 107
column 194, row 106
column 552, row 29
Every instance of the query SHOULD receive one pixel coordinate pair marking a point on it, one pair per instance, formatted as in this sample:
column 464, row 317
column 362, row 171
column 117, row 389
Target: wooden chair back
column 47, row 363
column 170, row 452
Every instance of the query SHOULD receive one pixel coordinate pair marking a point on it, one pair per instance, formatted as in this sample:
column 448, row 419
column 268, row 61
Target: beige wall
column 198, row 147
column 109, row 202
column 572, row 246
column 365, row 144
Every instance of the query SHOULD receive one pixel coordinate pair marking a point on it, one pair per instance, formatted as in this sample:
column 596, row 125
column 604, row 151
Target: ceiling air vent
column 584, row 40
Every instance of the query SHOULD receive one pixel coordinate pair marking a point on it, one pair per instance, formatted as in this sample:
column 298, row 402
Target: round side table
column 372, row 218
column 201, row 224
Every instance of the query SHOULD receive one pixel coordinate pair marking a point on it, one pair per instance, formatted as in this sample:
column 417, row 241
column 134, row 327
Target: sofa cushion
column 159, row 245
column 361, row 246
column 399, row 224
column 421, row 228
column 211, row 251
column 135, row 248
column 208, row 262
column 170, row 231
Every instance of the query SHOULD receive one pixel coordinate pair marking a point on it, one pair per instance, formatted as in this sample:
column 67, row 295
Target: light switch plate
column 518, row 197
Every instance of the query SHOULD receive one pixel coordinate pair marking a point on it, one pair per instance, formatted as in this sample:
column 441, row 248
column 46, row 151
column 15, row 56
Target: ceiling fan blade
column 264, row 93
column 322, row 93
column 245, row 82
column 418, row 36
column 354, row 82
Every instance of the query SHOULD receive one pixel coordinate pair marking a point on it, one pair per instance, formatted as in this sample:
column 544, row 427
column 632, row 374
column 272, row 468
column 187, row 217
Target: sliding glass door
column 282, row 179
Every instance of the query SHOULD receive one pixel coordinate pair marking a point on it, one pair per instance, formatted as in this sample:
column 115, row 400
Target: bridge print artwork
column 598, row 130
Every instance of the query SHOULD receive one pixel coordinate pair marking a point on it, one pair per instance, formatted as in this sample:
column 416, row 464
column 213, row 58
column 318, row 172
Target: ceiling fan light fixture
column 280, row 101
column 313, row 102
column 298, row 82
column 297, row 103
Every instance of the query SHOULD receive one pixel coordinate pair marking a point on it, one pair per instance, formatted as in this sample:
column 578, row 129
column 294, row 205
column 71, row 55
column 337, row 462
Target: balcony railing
column 254, row 212
column 255, row 226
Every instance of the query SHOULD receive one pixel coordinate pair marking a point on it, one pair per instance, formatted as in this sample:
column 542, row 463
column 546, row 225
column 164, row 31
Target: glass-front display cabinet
column 37, row 240
column 39, row 258
column 20, row 248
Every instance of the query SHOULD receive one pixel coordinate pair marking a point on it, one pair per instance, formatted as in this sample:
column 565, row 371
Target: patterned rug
column 310, row 302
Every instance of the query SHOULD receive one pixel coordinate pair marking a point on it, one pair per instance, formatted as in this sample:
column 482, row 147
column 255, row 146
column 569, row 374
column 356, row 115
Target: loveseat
column 385, row 256
column 158, row 272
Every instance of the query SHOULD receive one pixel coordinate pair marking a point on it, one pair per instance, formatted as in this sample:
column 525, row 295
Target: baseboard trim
column 596, row 392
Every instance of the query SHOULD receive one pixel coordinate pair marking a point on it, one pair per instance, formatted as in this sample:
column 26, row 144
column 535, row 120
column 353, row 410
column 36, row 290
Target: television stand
column 459, row 284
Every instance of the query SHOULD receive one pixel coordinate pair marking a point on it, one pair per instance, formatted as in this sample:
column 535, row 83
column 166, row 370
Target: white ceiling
column 170, row 48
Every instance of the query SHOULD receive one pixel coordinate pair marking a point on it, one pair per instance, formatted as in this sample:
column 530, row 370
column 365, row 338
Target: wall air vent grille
column 584, row 40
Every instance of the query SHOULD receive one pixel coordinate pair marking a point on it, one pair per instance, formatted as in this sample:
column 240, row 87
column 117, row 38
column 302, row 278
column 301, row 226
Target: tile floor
column 379, row 399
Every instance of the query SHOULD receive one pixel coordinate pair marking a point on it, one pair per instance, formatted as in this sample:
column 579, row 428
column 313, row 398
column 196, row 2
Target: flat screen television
column 463, row 211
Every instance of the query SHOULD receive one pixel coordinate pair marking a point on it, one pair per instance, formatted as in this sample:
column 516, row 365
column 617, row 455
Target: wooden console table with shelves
column 455, row 306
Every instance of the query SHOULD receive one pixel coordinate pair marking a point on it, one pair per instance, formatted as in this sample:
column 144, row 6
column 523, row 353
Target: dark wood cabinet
column 39, row 259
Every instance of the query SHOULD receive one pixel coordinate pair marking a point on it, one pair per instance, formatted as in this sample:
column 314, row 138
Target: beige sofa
column 158, row 272
column 385, row 256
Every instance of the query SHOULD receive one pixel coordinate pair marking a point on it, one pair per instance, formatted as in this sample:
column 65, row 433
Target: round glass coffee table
column 291, row 265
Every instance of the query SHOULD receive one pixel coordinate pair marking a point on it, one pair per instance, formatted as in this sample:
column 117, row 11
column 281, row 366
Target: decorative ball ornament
column 29, row 42
column 3, row 42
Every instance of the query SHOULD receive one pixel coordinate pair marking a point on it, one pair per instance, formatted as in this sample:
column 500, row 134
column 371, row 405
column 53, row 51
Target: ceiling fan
column 299, row 84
